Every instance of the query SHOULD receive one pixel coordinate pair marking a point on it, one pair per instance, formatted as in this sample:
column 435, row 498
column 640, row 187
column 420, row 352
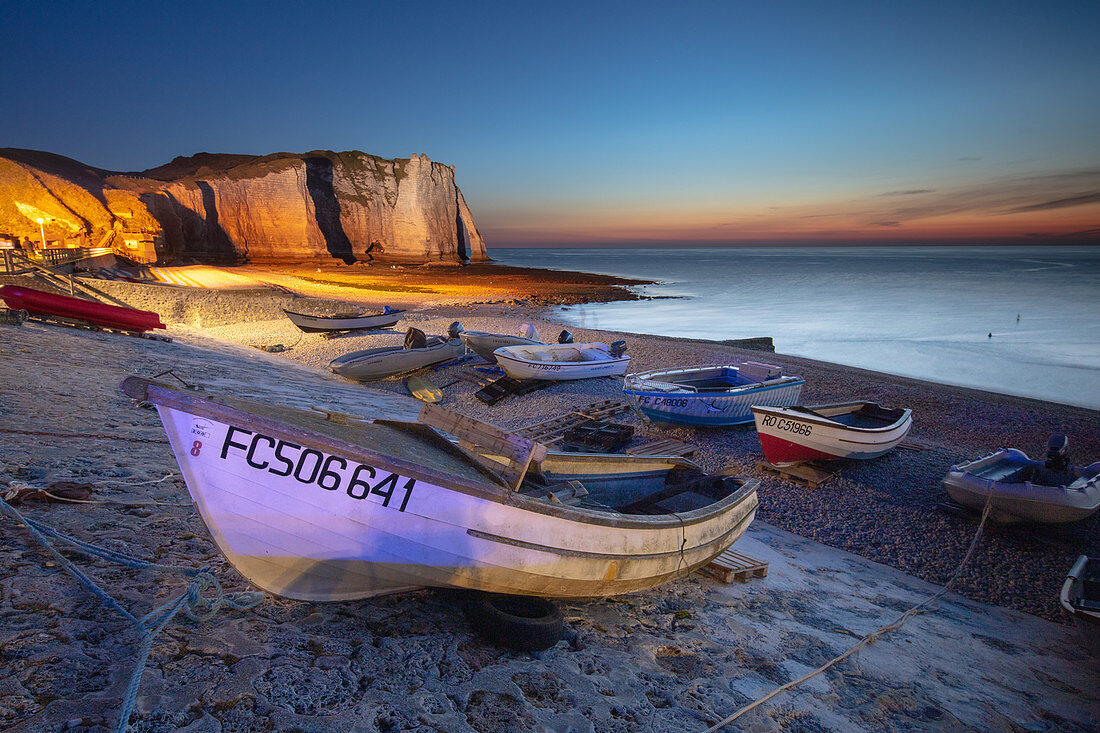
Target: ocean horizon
column 1017, row 320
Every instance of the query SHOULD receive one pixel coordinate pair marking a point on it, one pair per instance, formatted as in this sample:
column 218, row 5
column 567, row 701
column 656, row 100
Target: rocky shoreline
column 679, row 657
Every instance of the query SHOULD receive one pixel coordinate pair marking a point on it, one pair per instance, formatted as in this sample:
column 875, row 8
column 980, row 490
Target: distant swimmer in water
column 990, row 334
column 1017, row 318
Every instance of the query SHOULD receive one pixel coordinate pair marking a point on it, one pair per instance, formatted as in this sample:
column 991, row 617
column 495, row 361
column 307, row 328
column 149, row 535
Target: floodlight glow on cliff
column 42, row 231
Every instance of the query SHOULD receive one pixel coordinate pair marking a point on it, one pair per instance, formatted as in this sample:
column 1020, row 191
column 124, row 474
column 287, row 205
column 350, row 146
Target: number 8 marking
column 196, row 447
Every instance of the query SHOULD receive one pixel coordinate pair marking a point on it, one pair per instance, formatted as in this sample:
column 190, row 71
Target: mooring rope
column 897, row 624
column 192, row 602
column 96, row 436
column 17, row 490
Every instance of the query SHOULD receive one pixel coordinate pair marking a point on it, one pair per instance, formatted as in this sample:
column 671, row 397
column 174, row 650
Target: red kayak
column 37, row 302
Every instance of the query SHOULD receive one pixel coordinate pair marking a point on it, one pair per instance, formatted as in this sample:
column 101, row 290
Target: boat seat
column 570, row 493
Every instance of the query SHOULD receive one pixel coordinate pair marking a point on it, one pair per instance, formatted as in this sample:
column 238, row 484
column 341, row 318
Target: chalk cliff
column 349, row 206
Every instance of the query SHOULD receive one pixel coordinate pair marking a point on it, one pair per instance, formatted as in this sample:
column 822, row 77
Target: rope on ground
column 192, row 602
column 19, row 490
column 897, row 624
column 96, row 436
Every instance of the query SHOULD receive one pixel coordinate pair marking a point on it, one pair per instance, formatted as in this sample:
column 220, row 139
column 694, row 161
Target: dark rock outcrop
column 349, row 206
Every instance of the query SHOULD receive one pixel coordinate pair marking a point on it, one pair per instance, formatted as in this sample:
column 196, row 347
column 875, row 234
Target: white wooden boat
column 559, row 362
column 1080, row 597
column 844, row 430
column 711, row 396
column 315, row 509
column 418, row 352
column 312, row 323
column 1025, row 490
column 484, row 344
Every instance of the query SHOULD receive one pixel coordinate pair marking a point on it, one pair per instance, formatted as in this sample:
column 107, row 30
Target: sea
column 1016, row 320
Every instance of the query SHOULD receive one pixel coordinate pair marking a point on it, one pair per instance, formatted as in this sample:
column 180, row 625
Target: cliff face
column 350, row 206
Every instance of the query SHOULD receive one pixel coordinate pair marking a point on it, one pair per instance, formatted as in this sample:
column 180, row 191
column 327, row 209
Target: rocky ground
column 680, row 657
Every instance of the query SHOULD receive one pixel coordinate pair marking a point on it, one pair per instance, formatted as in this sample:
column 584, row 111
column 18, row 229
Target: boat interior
column 682, row 490
column 546, row 353
column 859, row 415
column 716, row 379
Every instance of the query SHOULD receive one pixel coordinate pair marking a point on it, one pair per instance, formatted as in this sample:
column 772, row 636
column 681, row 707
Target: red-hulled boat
column 844, row 430
column 37, row 302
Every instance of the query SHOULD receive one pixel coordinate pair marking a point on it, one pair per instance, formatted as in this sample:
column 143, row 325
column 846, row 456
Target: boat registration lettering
column 666, row 401
column 314, row 468
column 790, row 426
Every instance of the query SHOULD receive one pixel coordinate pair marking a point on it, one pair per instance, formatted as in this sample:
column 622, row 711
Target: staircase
column 16, row 262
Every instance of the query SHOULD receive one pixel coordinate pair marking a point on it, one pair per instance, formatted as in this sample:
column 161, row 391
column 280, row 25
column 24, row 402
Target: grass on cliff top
column 368, row 285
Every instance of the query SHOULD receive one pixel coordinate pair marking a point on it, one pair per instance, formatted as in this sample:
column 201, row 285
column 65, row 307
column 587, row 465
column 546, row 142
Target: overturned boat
column 40, row 303
column 858, row 430
column 711, row 396
column 344, row 321
column 560, row 362
column 419, row 351
column 323, row 507
column 1026, row 490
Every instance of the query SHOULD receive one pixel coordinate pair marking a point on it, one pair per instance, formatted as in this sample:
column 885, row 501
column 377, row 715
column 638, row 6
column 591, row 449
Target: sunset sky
column 589, row 122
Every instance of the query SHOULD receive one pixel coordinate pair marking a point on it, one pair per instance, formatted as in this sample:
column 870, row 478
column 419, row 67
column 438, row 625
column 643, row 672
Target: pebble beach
column 844, row 559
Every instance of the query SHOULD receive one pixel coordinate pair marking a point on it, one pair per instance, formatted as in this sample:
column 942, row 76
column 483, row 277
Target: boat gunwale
column 354, row 357
column 639, row 382
column 519, row 360
column 786, row 412
column 362, row 316
column 165, row 396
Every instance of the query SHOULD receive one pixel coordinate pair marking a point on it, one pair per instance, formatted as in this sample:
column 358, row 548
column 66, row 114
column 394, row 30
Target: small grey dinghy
column 419, row 351
column 1025, row 490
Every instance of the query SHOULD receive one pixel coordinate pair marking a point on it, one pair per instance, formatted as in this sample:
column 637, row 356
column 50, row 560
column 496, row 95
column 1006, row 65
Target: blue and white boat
column 711, row 396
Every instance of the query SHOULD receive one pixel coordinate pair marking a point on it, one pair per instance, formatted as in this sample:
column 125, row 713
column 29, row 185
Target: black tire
column 516, row 622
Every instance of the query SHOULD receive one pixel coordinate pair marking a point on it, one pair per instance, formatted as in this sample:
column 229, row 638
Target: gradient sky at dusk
column 632, row 122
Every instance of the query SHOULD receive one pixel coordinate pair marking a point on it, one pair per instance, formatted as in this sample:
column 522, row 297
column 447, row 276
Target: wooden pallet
column 813, row 474
column 732, row 565
column 666, row 447
column 506, row 386
column 77, row 323
column 552, row 430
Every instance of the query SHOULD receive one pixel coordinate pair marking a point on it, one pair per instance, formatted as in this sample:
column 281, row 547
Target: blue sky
column 606, row 122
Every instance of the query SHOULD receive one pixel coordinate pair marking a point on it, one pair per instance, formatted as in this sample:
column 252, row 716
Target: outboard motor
column 454, row 329
column 1058, row 453
column 528, row 331
column 415, row 339
column 565, row 337
column 618, row 348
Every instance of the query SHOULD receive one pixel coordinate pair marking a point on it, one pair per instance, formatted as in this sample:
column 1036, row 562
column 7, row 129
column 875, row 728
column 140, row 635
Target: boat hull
column 1080, row 597
column 517, row 366
column 971, row 484
column 484, row 344
column 316, row 324
column 666, row 402
column 789, row 436
column 380, row 363
column 37, row 302
column 344, row 524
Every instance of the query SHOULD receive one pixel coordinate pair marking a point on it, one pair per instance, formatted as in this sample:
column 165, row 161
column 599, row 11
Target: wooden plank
column 732, row 565
column 519, row 451
column 810, row 473
column 665, row 447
